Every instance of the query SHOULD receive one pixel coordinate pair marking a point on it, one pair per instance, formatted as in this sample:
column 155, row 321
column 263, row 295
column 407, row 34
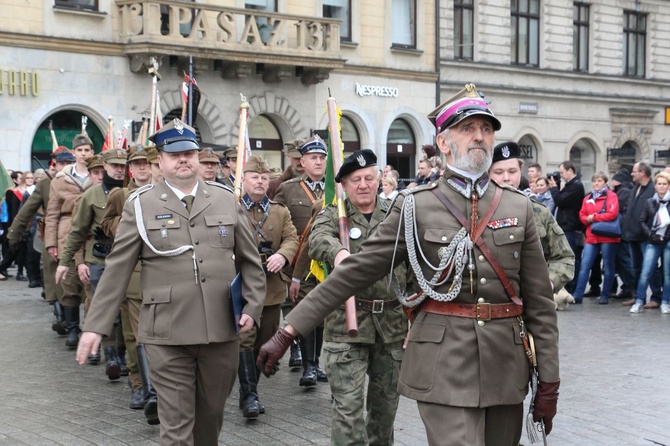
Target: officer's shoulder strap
column 509, row 188
column 222, row 186
column 137, row 192
column 276, row 203
column 417, row 189
column 294, row 180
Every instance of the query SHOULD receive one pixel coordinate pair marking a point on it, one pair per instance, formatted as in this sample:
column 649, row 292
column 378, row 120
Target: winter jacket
column 630, row 226
column 609, row 214
column 647, row 222
column 568, row 202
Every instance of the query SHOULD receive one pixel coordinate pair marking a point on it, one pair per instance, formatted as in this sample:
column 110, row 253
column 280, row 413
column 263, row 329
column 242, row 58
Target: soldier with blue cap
column 299, row 194
column 193, row 238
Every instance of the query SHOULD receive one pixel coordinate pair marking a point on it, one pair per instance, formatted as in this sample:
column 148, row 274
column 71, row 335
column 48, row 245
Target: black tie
column 188, row 201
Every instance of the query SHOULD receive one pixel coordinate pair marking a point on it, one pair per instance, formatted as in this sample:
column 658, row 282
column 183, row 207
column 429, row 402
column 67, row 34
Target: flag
column 195, row 98
column 159, row 118
column 109, row 139
column 319, row 269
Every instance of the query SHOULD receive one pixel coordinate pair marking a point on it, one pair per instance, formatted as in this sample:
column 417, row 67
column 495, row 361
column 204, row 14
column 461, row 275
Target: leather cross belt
column 377, row 306
column 481, row 311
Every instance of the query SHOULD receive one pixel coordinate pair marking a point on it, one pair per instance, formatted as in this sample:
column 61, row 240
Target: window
column 87, row 5
column 526, row 32
column 350, row 137
column 339, row 9
column 265, row 140
column 580, row 37
column 261, row 5
column 464, row 12
column 403, row 16
column 634, row 43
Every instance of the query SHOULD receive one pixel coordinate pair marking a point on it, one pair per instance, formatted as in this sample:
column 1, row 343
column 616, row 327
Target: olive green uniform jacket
column 324, row 244
column 178, row 307
column 38, row 199
column 450, row 360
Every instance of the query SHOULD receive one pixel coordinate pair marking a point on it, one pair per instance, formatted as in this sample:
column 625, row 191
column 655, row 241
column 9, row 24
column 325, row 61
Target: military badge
column 503, row 223
column 178, row 126
column 355, row 233
column 361, row 160
column 223, row 232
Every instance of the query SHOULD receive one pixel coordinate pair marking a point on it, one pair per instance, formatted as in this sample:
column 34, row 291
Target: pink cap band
column 452, row 108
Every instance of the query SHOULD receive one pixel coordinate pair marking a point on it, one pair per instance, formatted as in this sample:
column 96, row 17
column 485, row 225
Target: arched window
column 528, row 148
column 401, row 148
column 583, row 154
column 266, row 141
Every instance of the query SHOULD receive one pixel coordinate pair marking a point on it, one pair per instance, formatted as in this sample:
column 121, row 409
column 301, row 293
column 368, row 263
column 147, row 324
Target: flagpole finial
column 243, row 100
column 329, row 95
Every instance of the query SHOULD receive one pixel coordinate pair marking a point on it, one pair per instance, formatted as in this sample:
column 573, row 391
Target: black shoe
column 250, row 407
column 72, row 326
column 59, row 324
column 137, row 399
column 593, row 292
column 94, row 359
column 308, row 378
column 123, row 365
column 321, row 375
column 261, row 408
column 296, row 358
column 5, row 273
column 151, row 411
column 34, row 284
column 603, row 301
column 624, row 295
column 21, row 278
column 112, row 370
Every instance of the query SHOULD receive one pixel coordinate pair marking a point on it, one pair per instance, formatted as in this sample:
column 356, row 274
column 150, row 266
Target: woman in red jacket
column 600, row 205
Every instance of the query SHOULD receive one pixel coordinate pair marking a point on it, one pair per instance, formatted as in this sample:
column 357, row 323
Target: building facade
column 586, row 80
column 68, row 59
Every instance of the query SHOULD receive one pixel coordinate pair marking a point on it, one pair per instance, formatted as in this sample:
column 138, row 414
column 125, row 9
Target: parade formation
column 185, row 258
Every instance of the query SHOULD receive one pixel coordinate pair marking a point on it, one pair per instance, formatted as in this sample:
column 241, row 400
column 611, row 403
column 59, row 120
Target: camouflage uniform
column 556, row 249
column 376, row 352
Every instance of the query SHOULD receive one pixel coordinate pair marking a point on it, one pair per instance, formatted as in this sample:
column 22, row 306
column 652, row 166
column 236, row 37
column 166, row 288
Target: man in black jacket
column 622, row 185
column 632, row 230
column 568, row 199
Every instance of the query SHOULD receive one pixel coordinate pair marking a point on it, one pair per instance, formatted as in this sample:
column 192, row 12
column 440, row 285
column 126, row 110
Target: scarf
column 598, row 193
column 109, row 182
column 662, row 218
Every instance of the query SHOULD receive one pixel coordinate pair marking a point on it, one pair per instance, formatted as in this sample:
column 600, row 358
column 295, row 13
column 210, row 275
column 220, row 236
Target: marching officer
column 37, row 201
column 506, row 169
column 192, row 239
column 277, row 240
column 299, row 194
column 377, row 350
column 475, row 251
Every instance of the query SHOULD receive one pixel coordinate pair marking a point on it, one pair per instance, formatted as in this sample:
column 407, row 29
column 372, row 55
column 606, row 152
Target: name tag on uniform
column 503, row 223
column 163, row 216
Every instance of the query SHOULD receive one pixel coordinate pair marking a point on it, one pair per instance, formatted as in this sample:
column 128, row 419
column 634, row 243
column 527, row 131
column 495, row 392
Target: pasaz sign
column 376, row 90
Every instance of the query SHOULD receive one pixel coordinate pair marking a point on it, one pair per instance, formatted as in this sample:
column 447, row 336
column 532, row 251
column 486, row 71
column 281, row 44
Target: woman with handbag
column 655, row 222
column 600, row 214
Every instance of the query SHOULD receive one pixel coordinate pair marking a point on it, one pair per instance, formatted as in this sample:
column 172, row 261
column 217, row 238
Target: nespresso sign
column 19, row 83
column 376, row 90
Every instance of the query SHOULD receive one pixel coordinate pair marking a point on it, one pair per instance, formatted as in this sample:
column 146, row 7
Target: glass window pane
column 575, row 46
column 631, row 55
column 400, row 133
column 338, row 9
column 584, row 49
column 523, row 5
column 584, row 16
column 533, row 42
column 261, row 127
column 514, row 40
column 515, row 6
column 349, row 131
column 401, row 18
column 642, row 25
column 534, row 6
column 468, row 34
column 523, row 40
column 640, row 56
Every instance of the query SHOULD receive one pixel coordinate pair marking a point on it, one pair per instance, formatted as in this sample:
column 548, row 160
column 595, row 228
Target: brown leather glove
column 545, row 404
column 271, row 351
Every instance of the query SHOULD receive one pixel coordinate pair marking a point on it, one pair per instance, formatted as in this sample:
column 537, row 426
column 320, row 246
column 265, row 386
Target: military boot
column 308, row 350
column 150, row 398
column 94, row 358
column 59, row 324
column 113, row 369
column 72, row 326
column 121, row 349
column 246, row 372
column 296, row 358
column 320, row 374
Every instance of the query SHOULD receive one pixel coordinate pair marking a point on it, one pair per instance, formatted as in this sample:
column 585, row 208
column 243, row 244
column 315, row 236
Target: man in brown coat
column 193, row 239
column 476, row 255
column 277, row 240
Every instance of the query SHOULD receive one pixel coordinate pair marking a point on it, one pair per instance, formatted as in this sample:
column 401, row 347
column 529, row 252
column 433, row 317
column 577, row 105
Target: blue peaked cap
column 175, row 137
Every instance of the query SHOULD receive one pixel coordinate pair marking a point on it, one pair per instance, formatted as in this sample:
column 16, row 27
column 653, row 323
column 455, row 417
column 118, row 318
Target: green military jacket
column 88, row 214
column 557, row 252
column 38, row 199
column 324, row 244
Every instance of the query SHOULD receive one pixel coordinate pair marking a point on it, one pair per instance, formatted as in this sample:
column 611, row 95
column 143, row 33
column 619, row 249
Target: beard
column 476, row 159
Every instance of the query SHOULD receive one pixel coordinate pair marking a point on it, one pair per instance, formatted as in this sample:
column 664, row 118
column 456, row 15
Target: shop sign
column 19, row 83
column 376, row 90
column 530, row 108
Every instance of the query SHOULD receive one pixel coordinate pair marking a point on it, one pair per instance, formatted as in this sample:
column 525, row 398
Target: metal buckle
column 377, row 306
column 486, row 312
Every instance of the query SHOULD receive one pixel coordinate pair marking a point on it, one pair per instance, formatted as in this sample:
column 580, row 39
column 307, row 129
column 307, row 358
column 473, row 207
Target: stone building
column 65, row 59
column 584, row 80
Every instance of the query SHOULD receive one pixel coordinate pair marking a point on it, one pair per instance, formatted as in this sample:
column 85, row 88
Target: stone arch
column 210, row 122
column 362, row 122
column 535, row 136
column 643, row 145
column 284, row 116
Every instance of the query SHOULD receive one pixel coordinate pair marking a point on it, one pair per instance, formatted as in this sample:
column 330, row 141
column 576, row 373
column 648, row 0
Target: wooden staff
column 342, row 222
column 54, row 141
column 155, row 77
column 241, row 146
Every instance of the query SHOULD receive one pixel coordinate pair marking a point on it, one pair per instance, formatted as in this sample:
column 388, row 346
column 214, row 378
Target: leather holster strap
column 481, row 312
column 377, row 306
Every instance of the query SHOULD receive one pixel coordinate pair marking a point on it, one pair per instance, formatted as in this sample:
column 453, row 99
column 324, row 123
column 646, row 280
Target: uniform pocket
column 508, row 243
column 164, row 233
column 220, row 231
column 156, row 313
column 346, row 365
column 422, row 355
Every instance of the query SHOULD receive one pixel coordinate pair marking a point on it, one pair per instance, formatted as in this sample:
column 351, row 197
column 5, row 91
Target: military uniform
column 376, row 351
column 189, row 259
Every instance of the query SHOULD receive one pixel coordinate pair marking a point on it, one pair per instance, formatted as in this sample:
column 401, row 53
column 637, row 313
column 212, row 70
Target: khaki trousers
column 192, row 383
column 472, row 426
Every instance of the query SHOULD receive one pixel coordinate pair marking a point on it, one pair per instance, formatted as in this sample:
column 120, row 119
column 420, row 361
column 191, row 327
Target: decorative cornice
column 388, row 73
column 62, row 44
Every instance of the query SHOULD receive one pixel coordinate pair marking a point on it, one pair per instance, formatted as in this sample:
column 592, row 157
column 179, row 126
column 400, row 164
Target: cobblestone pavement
column 615, row 387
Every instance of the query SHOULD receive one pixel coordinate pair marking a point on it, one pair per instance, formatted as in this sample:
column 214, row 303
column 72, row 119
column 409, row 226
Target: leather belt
column 377, row 306
column 481, row 311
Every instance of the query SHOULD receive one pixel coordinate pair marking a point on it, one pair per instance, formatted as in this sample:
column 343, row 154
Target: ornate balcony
column 238, row 40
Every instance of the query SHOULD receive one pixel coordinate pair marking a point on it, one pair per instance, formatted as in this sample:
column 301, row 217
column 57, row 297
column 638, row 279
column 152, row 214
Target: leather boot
column 94, row 358
column 261, row 407
column 296, row 358
column 320, row 374
column 246, row 372
column 308, row 350
column 150, row 398
column 113, row 369
column 121, row 349
column 72, row 326
column 59, row 324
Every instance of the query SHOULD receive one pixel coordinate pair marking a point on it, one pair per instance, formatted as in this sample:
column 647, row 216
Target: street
column 615, row 373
